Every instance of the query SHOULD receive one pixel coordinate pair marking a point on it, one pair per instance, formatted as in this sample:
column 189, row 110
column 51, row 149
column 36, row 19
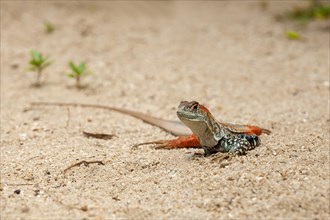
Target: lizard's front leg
column 190, row 141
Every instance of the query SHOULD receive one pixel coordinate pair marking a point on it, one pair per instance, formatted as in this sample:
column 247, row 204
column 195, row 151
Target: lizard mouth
column 186, row 115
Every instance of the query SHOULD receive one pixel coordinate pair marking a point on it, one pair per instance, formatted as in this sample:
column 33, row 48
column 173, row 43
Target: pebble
column 22, row 136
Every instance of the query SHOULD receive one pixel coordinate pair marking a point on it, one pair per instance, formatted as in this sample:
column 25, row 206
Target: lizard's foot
column 219, row 157
column 180, row 142
column 161, row 144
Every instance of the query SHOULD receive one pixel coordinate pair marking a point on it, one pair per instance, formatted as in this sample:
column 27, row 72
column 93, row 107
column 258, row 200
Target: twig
column 99, row 135
column 83, row 162
column 41, row 156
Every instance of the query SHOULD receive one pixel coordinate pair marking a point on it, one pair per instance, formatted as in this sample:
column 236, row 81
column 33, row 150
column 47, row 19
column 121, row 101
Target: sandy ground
column 232, row 57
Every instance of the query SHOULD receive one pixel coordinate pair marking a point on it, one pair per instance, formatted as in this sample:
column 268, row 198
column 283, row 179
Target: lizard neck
column 208, row 131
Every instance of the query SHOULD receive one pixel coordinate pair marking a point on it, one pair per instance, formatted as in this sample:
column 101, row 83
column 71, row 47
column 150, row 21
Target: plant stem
column 38, row 83
column 78, row 82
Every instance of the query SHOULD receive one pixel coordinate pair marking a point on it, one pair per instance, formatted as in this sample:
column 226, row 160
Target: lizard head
column 200, row 121
column 193, row 111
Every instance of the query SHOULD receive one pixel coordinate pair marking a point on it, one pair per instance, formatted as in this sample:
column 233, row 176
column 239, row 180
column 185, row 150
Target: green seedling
column 38, row 64
column 316, row 10
column 77, row 72
column 292, row 35
column 49, row 27
column 307, row 14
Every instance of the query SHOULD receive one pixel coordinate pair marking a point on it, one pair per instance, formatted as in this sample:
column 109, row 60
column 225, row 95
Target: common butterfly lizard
column 207, row 133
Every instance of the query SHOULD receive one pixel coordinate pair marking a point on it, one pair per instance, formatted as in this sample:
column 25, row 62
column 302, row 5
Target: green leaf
column 292, row 35
column 322, row 11
column 36, row 56
column 81, row 68
column 74, row 68
column 34, row 63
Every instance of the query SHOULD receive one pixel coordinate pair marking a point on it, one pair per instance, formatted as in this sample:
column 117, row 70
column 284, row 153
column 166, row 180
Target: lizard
column 198, row 129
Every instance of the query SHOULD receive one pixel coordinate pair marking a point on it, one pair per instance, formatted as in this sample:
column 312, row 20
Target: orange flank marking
column 256, row 130
column 184, row 142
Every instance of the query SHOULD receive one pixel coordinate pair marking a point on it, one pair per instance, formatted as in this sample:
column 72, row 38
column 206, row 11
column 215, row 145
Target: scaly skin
column 215, row 136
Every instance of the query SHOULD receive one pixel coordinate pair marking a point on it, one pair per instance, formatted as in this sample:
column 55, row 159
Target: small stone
column 14, row 66
column 84, row 208
column 17, row 191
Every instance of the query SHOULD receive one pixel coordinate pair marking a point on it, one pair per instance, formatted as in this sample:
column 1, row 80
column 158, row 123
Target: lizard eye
column 195, row 106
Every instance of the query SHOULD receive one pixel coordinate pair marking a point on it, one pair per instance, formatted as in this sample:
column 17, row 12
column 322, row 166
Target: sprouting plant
column 312, row 12
column 316, row 10
column 49, row 27
column 77, row 72
column 38, row 63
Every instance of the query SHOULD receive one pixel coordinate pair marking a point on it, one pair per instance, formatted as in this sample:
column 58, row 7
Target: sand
column 148, row 56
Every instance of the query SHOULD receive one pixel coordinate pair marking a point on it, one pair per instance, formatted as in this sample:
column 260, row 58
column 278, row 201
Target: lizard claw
column 221, row 157
column 162, row 144
column 165, row 145
column 223, row 160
